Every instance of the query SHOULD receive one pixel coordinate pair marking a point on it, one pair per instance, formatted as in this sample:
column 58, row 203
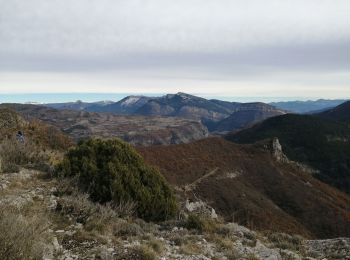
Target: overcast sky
column 245, row 48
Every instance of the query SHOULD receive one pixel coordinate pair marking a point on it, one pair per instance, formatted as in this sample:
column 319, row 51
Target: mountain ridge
column 209, row 111
column 341, row 112
column 309, row 106
column 322, row 143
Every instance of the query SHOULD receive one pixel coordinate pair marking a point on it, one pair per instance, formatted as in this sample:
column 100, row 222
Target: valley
column 138, row 130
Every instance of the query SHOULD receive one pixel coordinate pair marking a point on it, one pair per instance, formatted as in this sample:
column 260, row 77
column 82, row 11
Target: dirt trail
column 193, row 185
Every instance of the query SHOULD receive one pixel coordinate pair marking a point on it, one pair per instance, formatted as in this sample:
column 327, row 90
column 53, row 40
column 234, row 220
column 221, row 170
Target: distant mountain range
column 78, row 105
column 302, row 107
column 216, row 115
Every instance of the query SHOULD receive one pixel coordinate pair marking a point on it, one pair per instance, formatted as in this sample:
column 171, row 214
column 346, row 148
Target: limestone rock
column 276, row 150
column 200, row 207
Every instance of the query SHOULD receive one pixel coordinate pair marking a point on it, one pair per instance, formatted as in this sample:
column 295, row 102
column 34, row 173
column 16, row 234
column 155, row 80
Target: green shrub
column 111, row 170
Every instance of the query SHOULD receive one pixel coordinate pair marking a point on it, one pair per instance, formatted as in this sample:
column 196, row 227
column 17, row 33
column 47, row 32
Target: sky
column 234, row 49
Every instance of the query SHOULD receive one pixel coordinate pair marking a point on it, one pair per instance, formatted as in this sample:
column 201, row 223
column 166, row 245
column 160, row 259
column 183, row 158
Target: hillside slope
column 41, row 134
column 247, row 115
column 341, row 112
column 321, row 143
column 246, row 183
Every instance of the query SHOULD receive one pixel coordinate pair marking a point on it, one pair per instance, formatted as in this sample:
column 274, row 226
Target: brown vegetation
column 253, row 189
column 22, row 236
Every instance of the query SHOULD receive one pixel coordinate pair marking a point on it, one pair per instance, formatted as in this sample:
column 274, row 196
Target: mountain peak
column 186, row 95
column 182, row 95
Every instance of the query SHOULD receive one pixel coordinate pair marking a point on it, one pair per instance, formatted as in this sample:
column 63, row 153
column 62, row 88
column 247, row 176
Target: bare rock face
column 276, row 150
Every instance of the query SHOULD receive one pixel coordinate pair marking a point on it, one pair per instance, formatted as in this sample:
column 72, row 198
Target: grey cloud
column 226, row 39
column 99, row 27
column 311, row 57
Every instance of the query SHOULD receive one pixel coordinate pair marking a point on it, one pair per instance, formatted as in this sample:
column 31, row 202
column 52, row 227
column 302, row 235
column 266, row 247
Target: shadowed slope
column 341, row 112
column 322, row 143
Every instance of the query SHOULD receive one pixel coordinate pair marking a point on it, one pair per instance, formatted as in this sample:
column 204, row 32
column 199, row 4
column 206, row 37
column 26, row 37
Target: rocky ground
column 71, row 227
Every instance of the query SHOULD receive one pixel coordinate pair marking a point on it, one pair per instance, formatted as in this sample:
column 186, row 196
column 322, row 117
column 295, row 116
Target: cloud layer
column 148, row 45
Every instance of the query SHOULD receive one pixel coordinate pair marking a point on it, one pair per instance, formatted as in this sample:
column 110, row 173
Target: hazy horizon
column 95, row 97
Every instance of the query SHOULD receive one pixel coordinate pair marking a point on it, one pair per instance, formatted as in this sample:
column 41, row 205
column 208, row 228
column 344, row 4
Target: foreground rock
column 67, row 238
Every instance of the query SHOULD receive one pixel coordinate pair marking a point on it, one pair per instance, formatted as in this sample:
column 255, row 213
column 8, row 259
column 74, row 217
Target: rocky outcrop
column 276, row 151
column 200, row 208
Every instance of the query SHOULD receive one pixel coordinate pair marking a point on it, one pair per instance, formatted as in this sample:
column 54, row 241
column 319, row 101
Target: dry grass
column 78, row 206
column 14, row 154
column 124, row 228
column 233, row 255
column 157, row 245
column 285, row 241
column 190, row 248
column 94, row 216
column 224, row 243
column 201, row 223
column 252, row 257
column 143, row 252
column 21, row 236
